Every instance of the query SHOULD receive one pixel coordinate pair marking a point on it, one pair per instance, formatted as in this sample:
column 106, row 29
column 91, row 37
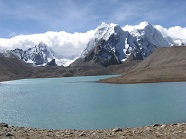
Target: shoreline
column 177, row 130
column 112, row 81
column 117, row 80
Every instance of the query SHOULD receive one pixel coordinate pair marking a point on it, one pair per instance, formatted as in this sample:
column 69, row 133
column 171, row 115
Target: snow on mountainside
column 174, row 35
column 111, row 44
column 112, row 34
column 107, row 44
column 147, row 38
column 39, row 54
column 146, row 31
column 65, row 47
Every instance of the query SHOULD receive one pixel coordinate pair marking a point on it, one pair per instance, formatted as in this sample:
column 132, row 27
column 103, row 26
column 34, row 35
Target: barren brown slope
column 82, row 70
column 12, row 68
column 163, row 65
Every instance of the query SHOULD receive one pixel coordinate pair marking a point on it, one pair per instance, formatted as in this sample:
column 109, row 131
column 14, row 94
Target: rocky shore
column 172, row 131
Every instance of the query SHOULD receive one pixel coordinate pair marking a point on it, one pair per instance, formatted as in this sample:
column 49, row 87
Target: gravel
column 172, row 131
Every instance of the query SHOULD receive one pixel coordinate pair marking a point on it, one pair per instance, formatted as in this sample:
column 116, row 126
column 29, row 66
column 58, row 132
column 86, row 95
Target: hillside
column 12, row 68
column 82, row 70
column 163, row 65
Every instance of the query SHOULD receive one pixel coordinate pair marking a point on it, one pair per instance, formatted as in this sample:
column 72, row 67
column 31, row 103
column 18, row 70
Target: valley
column 27, row 71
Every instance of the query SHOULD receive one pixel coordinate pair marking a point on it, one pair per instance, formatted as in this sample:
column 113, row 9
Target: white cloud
column 177, row 33
column 69, row 46
column 65, row 45
column 130, row 28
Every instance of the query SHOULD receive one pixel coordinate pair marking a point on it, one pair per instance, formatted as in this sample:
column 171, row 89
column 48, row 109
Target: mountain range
column 109, row 45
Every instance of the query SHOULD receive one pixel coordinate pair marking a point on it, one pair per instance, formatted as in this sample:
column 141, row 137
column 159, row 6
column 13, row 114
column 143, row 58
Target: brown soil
column 12, row 68
column 43, row 72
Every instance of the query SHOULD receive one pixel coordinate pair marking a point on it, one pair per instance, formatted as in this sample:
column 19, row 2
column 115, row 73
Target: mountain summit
column 107, row 45
column 38, row 55
column 111, row 44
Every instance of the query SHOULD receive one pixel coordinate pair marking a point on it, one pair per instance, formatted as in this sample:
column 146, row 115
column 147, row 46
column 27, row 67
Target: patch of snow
column 65, row 62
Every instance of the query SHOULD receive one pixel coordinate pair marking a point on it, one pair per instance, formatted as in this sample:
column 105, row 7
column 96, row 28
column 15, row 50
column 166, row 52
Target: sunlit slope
column 163, row 65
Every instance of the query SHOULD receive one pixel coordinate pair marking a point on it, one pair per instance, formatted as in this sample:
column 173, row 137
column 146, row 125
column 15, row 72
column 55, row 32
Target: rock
column 117, row 129
column 147, row 128
column 163, row 126
column 3, row 125
column 51, row 63
column 94, row 134
column 37, row 54
column 80, row 62
column 82, row 134
column 9, row 134
column 156, row 125
column 102, row 54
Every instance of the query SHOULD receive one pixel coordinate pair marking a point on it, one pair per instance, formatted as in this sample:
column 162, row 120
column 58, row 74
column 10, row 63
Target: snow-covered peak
column 147, row 32
column 143, row 25
column 105, row 30
column 103, row 25
column 100, row 30
column 42, row 45
column 140, row 26
column 108, row 32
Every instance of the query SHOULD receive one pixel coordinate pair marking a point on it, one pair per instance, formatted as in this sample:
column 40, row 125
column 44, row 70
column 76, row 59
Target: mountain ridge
column 111, row 44
column 120, row 44
column 163, row 65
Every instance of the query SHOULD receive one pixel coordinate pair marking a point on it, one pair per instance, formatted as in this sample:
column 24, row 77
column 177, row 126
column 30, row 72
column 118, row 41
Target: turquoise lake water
column 81, row 103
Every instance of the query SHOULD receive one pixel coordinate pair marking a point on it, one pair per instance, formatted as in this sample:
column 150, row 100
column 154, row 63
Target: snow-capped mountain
column 147, row 39
column 111, row 44
column 38, row 55
column 108, row 44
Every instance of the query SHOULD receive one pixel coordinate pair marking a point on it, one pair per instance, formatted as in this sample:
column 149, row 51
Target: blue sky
column 39, row 16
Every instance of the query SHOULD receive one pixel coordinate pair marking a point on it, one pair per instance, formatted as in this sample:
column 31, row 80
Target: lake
column 82, row 103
